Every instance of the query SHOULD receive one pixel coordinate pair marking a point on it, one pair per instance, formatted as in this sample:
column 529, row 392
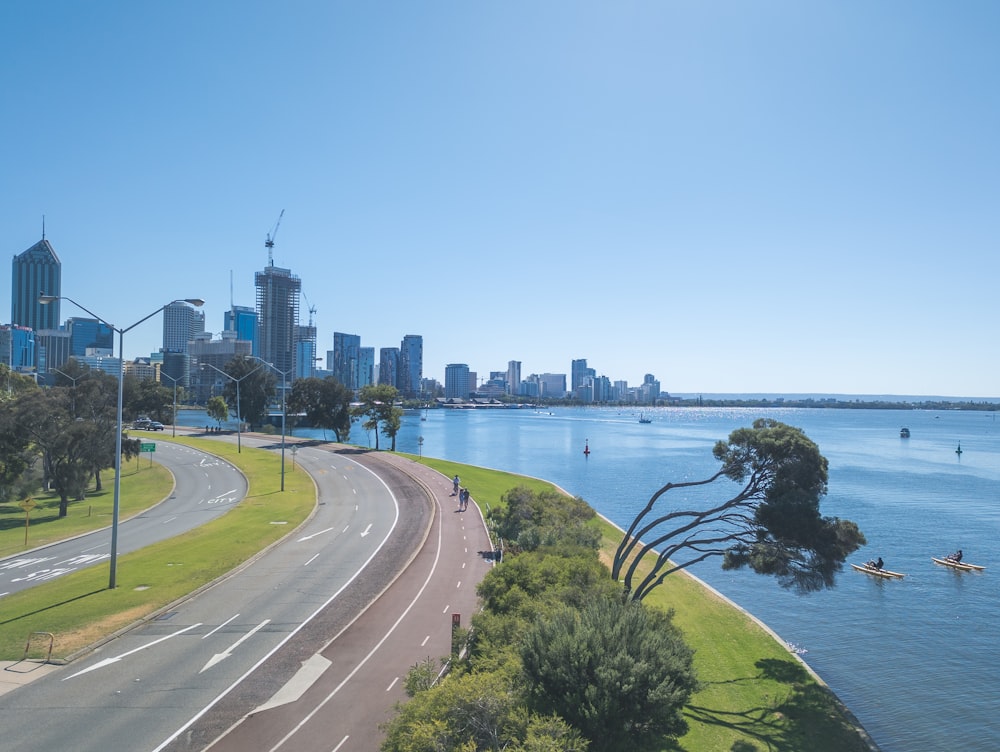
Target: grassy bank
column 756, row 695
column 78, row 608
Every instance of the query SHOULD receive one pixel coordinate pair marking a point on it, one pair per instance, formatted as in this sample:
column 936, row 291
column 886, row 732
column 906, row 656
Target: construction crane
column 312, row 309
column 269, row 243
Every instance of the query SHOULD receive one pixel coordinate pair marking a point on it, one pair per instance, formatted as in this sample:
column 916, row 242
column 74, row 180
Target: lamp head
column 46, row 299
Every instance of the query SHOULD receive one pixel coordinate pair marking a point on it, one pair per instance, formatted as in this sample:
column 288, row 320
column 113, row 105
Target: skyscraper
column 411, row 365
column 243, row 321
column 346, row 354
column 181, row 322
column 513, row 377
column 36, row 271
column 456, row 381
column 278, row 315
column 388, row 366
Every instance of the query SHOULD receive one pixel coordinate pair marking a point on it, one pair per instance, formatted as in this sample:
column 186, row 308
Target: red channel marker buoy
column 586, row 448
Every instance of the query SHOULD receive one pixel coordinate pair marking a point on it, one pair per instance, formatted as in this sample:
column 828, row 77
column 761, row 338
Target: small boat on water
column 644, row 419
column 963, row 566
column 884, row 573
column 904, row 433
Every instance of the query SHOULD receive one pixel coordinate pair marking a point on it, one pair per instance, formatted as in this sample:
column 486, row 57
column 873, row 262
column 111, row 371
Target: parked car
column 142, row 423
column 154, row 425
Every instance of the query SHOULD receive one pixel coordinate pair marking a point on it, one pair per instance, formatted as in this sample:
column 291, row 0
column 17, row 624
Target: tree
column 217, row 409
column 16, row 456
column 325, row 402
column 530, row 519
column 378, row 408
column 772, row 524
column 254, row 385
column 615, row 670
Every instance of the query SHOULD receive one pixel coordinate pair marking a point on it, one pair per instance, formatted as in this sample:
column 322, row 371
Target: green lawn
column 757, row 695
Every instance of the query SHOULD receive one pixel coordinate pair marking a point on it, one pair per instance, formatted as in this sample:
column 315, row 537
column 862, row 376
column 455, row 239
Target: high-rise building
column 456, row 381
column 206, row 382
column 52, row 348
column 388, row 366
column 181, row 322
column 278, row 315
column 305, row 351
column 36, row 271
column 513, row 376
column 579, row 372
column 346, row 354
column 366, row 366
column 89, row 334
column 243, row 321
column 411, row 365
column 17, row 347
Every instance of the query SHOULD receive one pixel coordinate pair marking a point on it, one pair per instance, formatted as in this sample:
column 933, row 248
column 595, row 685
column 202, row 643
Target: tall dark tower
column 278, row 314
column 36, row 271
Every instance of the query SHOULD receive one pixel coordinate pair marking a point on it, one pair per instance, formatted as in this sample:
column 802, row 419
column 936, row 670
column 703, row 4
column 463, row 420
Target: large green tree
column 326, row 404
column 379, row 412
column 249, row 390
column 772, row 523
column 615, row 670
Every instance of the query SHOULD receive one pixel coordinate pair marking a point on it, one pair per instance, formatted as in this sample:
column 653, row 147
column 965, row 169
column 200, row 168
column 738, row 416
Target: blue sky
column 736, row 197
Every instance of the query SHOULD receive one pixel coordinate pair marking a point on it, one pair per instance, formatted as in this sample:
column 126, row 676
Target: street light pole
column 44, row 300
column 284, row 411
column 239, row 418
column 173, row 421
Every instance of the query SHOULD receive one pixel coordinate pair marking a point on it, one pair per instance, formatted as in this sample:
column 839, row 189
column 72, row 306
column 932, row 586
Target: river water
column 914, row 659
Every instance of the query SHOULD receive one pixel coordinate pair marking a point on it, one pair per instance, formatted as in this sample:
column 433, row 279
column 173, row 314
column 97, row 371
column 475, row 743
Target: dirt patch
column 72, row 642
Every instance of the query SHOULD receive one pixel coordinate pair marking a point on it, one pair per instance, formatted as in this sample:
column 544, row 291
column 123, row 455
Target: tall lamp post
column 239, row 418
column 284, row 411
column 173, row 422
column 44, row 300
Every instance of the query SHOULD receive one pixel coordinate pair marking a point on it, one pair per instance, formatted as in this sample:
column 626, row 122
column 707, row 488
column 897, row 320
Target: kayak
column 958, row 565
column 878, row 572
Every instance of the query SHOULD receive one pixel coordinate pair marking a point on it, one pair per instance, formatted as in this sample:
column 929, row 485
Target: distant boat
column 644, row 419
column 904, row 433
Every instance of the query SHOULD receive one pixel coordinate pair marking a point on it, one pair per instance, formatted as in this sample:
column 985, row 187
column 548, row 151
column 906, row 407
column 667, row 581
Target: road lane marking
column 310, row 537
column 220, row 626
column 341, row 744
column 219, row 657
column 426, row 640
column 109, row 661
column 307, row 675
column 392, row 684
column 311, row 559
column 367, row 530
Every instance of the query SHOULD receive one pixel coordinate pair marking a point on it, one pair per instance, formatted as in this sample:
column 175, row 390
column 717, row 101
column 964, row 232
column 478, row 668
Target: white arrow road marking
column 305, row 677
column 109, row 661
column 367, row 530
column 229, row 651
column 310, row 537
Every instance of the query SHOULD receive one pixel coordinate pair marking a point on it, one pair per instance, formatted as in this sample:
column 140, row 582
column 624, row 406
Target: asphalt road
column 340, row 608
column 205, row 487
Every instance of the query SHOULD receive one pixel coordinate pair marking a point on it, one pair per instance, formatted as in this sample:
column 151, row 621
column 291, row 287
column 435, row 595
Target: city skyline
column 737, row 198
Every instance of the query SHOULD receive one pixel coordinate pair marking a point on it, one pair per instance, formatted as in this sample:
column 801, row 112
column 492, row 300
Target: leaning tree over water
column 772, row 524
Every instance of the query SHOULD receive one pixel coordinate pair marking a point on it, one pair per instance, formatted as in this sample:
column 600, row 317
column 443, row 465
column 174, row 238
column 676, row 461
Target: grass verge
column 78, row 608
column 756, row 695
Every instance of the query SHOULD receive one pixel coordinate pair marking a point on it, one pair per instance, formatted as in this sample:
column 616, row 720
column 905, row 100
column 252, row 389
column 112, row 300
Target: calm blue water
column 914, row 659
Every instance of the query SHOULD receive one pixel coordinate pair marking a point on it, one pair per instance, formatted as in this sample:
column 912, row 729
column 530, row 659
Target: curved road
column 325, row 612
column 205, row 487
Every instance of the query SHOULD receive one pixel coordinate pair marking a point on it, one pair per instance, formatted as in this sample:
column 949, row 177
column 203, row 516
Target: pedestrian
column 454, row 483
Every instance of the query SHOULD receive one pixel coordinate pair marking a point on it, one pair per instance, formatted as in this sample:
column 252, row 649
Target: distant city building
column 388, row 366
column 456, row 381
column 346, row 355
column 89, row 334
column 175, row 368
column 366, row 366
column 143, row 369
column 513, row 376
column 650, row 389
column 206, row 382
column 17, row 347
column 52, row 348
column 278, row 315
column 36, row 271
column 579, row 372
column 181, row 322
column 411, row 365
column 305, row 351
column 243, row 320
column 553, row 385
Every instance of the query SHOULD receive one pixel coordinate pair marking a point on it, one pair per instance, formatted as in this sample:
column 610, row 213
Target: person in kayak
column 955, row 557
column 875, row 564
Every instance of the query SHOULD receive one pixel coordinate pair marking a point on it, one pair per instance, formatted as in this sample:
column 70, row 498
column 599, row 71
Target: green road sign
column 147, row 447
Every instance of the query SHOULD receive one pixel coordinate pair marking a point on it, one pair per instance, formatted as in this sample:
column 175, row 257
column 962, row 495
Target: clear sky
column 775, row 196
